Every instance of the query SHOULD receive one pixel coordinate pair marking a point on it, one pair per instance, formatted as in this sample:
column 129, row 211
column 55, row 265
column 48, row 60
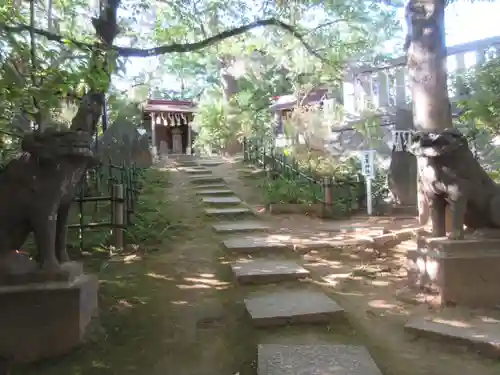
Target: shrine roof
column 290, row 101
column 162, row 105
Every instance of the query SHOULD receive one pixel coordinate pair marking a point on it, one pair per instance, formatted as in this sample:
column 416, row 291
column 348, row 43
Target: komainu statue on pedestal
column 449, row 175
column 36, row 191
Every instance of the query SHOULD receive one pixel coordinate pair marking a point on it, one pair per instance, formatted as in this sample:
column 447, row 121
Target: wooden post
column 118, row 217
column 328, row 197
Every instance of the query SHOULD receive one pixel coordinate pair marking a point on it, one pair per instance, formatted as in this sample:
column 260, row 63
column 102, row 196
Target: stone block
column 292, row 307
column 240, row 226
column 482, row 337
column 253, row 244
column 222, row 201
column 48, row 319
column 215, row 192
column 461, row 272
column 227, row 211
column 197, row 171
column 205, row 179
column 267, row 271
column 275, row 359
column 213, row 185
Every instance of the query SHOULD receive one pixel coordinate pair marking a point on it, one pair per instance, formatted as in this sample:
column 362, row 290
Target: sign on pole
column 368, row 171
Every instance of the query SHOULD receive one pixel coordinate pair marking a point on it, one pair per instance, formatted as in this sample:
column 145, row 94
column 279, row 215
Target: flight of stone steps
column 275, row 306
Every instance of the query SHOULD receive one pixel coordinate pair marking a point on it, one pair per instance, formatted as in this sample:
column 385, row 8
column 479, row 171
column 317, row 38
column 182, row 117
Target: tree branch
column 175, row 47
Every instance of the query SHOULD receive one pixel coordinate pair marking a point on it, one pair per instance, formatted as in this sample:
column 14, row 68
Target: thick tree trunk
column 426, row 62
column 426, row 59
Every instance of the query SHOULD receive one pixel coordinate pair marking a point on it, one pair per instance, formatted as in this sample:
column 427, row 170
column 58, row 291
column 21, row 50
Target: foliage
column 482, row 108
column 282, row 190
column 153, row 223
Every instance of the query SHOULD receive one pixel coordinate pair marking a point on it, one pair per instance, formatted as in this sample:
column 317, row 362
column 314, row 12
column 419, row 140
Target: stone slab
column 205, row 179
column 292, row 307
column 275, row 359
column 227, row 211
column 267, row 271
column 222, row 200
column 215, row 192
column 483, row 337
column 253, row 244
column 44, row 320
column 213, row 185
column 193, row 171
column 240, row 226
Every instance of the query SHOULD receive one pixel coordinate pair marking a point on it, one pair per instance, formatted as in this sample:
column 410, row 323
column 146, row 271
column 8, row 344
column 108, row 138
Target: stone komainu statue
column 450, row 175
column 36, row 191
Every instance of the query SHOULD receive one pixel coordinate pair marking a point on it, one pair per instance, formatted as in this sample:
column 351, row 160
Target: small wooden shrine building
column 169, row 123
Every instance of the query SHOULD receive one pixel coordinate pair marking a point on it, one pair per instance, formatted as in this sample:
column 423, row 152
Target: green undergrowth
column 153, row 223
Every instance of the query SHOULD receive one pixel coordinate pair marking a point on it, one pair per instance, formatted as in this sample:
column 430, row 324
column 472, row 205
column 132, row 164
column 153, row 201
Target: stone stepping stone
column 215, row 192
column 240, row 226
column 205, row 179
column 267, row 271
column 275, row 359
column 292, row 307
column 253, row 244
column 213, row 185
column 227, row 211
column 198, row 171
column 483, row 336
column 221, row 201
column 208, row 163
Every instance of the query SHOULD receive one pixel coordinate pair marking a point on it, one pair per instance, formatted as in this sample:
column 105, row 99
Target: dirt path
column 365, row 286
column 178, row 310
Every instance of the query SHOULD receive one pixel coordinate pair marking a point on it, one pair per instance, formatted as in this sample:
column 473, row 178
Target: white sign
column 368, row 164
column 368, row 170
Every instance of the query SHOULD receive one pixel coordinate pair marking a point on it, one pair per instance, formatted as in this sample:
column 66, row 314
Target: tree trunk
column 426, row 62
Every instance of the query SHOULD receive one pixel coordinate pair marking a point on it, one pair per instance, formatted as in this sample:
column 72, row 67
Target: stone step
column 205, row 179
column 286, row 307
column 481, row 335
column 253, row 244
column 259, row 271
column 276, row 359
column 208, row 163
column 222, row 201
column 213, row 185
column 240, row 226
column 193, row 171
column 215, row 192
column 228, row 211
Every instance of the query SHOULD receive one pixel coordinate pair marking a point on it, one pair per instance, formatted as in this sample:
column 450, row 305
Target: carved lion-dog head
column 432, row 144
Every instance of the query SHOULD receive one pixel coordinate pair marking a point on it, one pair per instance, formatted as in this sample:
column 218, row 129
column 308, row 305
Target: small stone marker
column 220, row 201
column 227, row 211
column 205, row 179
column 292, row 307
column 213, row 185
column 267, row 271
column 274, row 359
column 252, row 244
column 215, row 192
column 483, row 336
column 240, row 226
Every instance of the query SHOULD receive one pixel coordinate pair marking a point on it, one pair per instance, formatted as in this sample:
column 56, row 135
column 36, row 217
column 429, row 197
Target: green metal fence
column 339, row 197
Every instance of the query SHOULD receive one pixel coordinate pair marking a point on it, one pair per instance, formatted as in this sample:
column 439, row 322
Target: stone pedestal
column 42, row 319
column 463, row 272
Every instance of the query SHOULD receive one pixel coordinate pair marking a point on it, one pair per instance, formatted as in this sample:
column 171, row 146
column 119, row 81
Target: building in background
column 169, row 123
